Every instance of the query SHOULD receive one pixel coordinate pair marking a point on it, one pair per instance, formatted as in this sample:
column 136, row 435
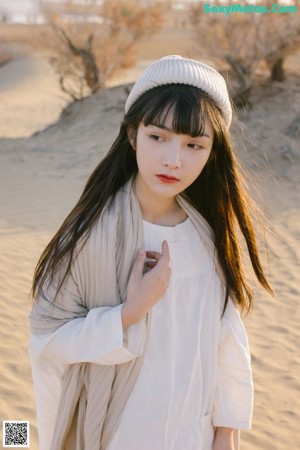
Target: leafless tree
column 242, row 41
column 89, row 42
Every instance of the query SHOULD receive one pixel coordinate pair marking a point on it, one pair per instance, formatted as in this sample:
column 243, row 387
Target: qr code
column 16, row 433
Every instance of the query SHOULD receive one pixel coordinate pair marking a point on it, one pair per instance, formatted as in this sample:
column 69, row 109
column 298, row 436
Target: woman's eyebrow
column 163, row 127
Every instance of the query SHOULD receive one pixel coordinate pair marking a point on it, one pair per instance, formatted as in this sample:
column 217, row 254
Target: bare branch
column 90, row 42
column 244, row 41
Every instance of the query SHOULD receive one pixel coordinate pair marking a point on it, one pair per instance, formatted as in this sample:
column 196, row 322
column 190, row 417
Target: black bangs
column 187, row 104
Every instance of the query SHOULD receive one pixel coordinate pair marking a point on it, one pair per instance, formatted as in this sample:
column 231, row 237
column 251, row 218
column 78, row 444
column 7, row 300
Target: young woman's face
column 168, row 162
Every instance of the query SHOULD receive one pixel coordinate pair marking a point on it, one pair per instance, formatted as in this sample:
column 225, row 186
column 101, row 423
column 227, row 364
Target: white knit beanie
column 178, row 70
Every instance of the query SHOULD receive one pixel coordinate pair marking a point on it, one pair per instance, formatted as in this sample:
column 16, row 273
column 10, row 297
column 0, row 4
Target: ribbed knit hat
column 178, row 70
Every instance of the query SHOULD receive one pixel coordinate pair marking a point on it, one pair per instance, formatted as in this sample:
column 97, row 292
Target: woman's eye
column 195, row 146
column 155, row 137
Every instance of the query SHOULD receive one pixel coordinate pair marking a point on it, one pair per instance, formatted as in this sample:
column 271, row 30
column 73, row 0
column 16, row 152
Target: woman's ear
column 131, row 136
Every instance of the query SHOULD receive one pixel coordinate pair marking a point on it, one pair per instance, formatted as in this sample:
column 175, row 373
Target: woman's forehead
column 167, row 121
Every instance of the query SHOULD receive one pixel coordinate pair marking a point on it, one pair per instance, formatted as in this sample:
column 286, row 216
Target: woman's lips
column 167, row 178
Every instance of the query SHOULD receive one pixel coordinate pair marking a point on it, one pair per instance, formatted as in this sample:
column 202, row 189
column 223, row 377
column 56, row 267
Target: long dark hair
column 217, row 193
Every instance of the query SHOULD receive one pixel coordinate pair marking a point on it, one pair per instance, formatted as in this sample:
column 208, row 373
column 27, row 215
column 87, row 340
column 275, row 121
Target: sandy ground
column 42, row 176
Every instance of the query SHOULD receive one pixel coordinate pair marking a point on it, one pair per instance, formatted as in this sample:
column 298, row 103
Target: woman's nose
column 172, row 157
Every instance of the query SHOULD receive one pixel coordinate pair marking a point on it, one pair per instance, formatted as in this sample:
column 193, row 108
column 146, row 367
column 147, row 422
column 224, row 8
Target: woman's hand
column 223, row 439
column 146, row 289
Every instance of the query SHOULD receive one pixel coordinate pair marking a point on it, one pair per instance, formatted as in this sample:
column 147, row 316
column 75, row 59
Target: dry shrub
column 279, row 37
column 90, row 42
column 243, row 41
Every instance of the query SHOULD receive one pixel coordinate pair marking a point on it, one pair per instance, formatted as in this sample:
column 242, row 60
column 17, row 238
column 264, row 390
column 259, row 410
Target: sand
column 43, row 175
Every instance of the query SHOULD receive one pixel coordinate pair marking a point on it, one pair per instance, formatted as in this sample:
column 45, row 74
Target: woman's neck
column 160, row 211
column 167, row 218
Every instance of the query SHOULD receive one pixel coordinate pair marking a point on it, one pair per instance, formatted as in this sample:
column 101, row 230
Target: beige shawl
column 93, row 396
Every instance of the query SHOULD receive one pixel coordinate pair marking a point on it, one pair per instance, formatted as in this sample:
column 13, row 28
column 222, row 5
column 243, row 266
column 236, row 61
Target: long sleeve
column 64, row 331
column 233, row 402
column 97, row 338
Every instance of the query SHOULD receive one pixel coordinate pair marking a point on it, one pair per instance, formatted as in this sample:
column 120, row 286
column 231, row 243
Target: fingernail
column 141, row 251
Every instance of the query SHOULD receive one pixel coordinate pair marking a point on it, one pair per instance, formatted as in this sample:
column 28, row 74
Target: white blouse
column 196, row 372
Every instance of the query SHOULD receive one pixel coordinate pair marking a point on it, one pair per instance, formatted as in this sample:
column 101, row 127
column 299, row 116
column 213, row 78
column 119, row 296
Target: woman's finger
column 153, row 255
column 151, row 264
